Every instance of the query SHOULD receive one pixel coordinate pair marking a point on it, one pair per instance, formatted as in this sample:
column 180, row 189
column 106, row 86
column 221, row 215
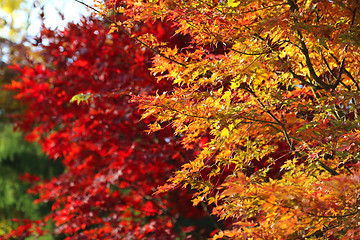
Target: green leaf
column 82, row 97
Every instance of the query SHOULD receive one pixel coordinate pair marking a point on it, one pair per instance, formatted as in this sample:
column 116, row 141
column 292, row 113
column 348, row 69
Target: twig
column 131, row 36
column 287, row 137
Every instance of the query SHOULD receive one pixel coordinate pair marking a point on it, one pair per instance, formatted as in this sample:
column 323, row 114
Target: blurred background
column 20, row 22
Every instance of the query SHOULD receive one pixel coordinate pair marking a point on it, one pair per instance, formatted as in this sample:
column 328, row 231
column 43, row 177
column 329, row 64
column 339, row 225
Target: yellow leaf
column 197, row 200
column 224, row 133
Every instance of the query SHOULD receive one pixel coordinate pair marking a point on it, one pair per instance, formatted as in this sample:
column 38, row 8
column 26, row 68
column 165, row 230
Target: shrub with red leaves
column 112, row 165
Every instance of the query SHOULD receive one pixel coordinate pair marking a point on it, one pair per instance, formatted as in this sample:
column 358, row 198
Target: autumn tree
column 20, row 162
column 274, row 86
column 112, row 165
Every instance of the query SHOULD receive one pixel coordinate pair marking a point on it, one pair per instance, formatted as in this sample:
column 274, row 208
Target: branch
column 346, row 71
column 338, row 79
column 339, row 76
column 301, row 79
column 250, row 54
column 336, row 216
column 309, row 64
column 156, row 52
column 293, row 6
column 327, row 168
column 287, row 137
column 303, row 48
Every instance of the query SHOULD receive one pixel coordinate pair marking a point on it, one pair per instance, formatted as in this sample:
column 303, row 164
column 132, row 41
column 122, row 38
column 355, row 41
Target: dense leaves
column 21, row 163
column 18, row 166
column 279, row 104
column 112, row 165
column 264, row 93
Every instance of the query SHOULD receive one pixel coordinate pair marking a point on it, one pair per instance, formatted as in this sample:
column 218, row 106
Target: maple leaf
column 112, row 165
column 282, row 94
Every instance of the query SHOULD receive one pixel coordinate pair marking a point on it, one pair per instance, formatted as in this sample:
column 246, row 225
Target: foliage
column 21, row 163
column 112, row 165
column 274, row 85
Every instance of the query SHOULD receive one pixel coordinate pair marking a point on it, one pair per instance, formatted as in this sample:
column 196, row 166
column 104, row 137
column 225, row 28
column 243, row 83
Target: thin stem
column 342, row 68
column 287, row 137
column 339, row 76
column 336, row 216
column 347, row 72
column 210, row 118
column 250, row 54
column 156, row 52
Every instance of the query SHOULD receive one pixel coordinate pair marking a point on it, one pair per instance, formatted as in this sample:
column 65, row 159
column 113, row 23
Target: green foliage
column 10, row 138
column 17, row 157
column 82, row 97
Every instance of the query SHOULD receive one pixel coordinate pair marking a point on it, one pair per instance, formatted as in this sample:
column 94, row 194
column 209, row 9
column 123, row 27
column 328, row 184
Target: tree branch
column 156, row 52
column 287, row 137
